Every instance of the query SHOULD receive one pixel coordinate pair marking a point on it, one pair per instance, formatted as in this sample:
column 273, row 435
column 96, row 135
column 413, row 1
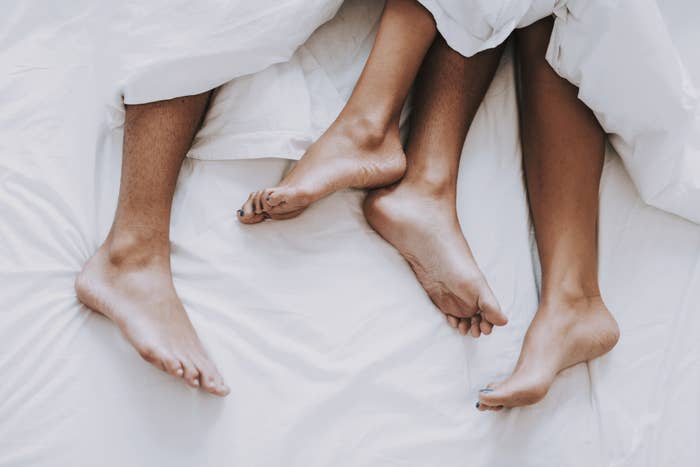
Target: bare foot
column 139, row 296
column 562, row 334
column 422, row 225
column 348, row 155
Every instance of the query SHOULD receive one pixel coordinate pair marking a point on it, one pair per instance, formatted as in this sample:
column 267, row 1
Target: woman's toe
column 247, row 214
column 273, row 197
column 257, row 197
column 491, row 396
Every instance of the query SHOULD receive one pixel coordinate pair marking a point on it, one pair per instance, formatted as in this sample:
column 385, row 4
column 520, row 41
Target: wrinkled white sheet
column 334, row 353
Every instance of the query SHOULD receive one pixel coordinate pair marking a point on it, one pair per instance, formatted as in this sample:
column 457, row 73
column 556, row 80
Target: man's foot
column 421, row 223
column 562, row 334
column 348, row 155
column 135, row 290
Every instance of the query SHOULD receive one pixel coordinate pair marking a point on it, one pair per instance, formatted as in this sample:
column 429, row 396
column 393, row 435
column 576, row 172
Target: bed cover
column 335, row 355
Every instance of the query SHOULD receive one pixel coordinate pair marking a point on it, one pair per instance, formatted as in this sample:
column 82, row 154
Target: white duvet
column 618, row 52
column 335, row 355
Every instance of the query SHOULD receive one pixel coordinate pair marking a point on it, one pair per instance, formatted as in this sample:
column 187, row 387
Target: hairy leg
column 418, row 215
column 129, row 279
column 361, row 149
column 563, row 151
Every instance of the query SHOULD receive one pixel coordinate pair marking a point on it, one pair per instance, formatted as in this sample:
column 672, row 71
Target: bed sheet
column 334, row 353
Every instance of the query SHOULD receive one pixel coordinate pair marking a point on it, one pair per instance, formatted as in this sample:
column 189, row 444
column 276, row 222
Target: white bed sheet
column 334, row 354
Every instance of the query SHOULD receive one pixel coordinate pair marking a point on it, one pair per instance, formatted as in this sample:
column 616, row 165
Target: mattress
column 334, row 354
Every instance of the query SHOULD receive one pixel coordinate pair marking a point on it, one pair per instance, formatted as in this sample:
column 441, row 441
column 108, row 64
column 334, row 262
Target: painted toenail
column 486, row 390
column 478, row 404
column 240, row 212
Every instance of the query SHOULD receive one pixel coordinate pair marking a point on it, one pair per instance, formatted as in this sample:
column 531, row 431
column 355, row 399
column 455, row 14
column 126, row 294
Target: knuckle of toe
column 172, row 364
column 148, row 353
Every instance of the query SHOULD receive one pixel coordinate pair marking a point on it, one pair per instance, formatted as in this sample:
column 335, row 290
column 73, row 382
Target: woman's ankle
column 366, row 129
column 569, row 292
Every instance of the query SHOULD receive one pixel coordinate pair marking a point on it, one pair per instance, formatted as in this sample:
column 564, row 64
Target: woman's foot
column 563, row 333
column 421, row 223
column 134, row 288
column 353, row 153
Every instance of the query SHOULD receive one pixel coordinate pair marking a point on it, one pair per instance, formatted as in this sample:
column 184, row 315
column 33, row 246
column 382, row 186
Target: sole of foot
column 424, row 228
column 562, row 334
column 141, row 300
column 346, row 156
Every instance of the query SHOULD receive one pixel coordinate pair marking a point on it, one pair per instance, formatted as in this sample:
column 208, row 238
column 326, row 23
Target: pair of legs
column 563, row 150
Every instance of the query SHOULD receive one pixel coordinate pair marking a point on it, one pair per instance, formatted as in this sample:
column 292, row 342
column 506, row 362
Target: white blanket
column 334, row 354
column 618, row 52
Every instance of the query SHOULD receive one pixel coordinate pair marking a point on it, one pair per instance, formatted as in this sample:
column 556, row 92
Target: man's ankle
column 138, row 247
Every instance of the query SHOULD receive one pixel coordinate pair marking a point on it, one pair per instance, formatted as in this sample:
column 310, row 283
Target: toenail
column 478, row 404
column 486, row 390
column 240, row 212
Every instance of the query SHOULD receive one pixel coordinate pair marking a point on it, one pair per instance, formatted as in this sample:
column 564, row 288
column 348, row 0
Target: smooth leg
column 361, row 149
column 418, row 215
column 129, row 279
column 563, row 151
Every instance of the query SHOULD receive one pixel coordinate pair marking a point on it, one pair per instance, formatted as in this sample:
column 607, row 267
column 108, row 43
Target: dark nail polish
column 478, row 404
column 486, row 390
column 240, row 212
